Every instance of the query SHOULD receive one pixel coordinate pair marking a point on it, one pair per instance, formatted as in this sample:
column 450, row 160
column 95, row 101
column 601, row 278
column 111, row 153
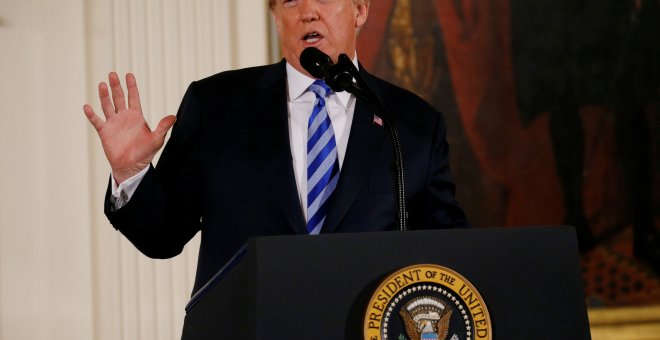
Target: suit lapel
column 364, row 145
column 270, row 116
column 272, row 126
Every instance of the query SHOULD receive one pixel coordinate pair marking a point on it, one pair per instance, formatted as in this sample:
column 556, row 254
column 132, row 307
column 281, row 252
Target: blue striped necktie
column 322, row 162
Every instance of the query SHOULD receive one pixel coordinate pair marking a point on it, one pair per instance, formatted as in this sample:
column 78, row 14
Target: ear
column 276, row 19
column 362, row 12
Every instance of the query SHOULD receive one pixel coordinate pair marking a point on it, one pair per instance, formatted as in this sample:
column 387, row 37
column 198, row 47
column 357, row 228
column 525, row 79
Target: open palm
column 128, row 142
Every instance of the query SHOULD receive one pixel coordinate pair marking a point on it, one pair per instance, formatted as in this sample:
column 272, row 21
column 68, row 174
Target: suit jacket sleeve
column 430, row 189
column 164, row 212
column 436, row 206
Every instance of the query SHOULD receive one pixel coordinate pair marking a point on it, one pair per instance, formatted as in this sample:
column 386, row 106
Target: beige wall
column 65, row 273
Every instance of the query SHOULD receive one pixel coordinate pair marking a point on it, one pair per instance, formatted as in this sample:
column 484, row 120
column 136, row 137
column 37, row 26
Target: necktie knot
column 320, row 88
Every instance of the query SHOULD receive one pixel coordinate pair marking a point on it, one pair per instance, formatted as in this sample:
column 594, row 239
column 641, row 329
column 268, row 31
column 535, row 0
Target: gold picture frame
column 625, row 323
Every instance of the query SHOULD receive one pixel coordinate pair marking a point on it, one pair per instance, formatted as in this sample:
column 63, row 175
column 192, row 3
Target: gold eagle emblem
column 426, row 318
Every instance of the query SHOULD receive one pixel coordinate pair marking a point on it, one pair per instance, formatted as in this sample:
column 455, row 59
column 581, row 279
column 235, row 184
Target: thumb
column 164, row 125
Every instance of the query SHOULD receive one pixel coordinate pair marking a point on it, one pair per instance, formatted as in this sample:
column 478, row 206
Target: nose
column 308, row 10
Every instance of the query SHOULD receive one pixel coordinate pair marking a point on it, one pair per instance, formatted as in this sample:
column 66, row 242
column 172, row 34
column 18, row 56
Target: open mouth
column 312, row 37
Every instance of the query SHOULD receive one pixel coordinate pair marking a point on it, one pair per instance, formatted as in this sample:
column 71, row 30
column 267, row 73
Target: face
column 329, row 25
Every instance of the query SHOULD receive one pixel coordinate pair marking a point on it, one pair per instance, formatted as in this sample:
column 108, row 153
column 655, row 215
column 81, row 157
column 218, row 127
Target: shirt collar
column 298, row 83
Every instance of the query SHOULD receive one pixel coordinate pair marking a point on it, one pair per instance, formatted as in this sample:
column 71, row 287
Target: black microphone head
column 315, row 62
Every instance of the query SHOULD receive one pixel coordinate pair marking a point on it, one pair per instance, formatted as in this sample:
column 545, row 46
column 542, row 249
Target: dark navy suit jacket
column 227, row 171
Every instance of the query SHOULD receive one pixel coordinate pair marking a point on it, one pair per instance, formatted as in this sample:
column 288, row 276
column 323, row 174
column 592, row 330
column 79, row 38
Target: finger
column 106, row 104
column 117, row 92
column 96, row 121
column 164, row 125
column 133, row 94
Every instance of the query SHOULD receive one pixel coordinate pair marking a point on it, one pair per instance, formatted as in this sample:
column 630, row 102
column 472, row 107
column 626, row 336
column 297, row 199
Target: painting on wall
column 553, row 113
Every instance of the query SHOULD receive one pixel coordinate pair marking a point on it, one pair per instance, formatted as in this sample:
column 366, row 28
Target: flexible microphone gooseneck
column 344, row 76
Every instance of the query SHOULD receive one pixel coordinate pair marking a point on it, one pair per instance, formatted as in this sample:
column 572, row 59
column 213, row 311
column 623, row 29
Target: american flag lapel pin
column 378, row 121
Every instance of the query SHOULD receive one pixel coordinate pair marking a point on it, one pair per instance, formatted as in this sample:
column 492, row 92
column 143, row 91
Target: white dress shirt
column 340, row 107
column 300, row 101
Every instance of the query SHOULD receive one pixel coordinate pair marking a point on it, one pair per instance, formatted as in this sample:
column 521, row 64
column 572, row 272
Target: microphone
column 315, row 62
column 319, row 65
column 344, row 76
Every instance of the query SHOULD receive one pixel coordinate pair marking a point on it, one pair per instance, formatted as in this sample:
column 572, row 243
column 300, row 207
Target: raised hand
column 128, row 142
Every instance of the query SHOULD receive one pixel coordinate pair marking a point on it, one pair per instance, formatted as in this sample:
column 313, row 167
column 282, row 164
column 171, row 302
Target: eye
column 289, row 3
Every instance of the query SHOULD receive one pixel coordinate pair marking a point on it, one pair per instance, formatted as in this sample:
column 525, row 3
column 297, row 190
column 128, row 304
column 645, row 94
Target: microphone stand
column 351, row 81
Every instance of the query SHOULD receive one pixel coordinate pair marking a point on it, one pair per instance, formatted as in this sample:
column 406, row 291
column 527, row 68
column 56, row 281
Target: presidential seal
column 426, row 302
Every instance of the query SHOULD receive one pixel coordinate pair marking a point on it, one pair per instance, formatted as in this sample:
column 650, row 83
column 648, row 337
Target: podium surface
column 318, row 287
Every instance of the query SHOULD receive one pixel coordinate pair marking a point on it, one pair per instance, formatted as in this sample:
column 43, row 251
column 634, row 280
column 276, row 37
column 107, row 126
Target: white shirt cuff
column 123, row 192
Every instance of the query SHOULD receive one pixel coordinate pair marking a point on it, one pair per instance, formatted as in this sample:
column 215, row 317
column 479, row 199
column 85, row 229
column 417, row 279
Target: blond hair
column 271, row 3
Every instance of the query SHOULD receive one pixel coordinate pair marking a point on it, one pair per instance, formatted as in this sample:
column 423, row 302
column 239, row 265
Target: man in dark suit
column 237, row 161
